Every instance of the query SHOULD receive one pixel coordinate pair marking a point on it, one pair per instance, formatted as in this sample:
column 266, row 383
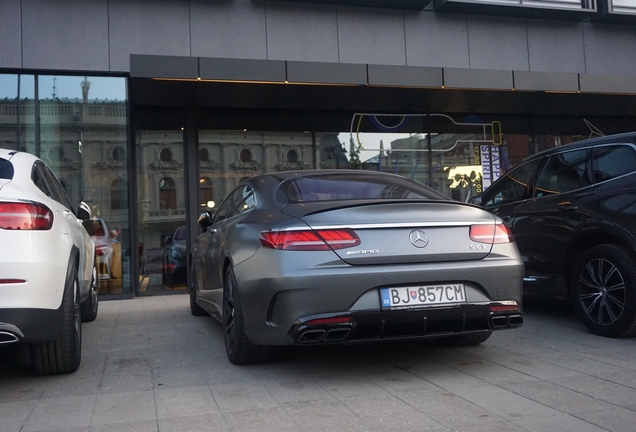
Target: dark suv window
column 563, row 172
column 612, row 161
column 514, row 186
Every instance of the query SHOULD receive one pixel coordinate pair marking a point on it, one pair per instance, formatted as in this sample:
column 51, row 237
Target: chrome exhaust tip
column 499, row 321
column 515, row 320
column 7, row 338
column 337, row 335
column 311, row 336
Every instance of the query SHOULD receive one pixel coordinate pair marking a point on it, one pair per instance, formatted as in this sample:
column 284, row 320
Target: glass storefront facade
column 161, row 211
column 80, row 126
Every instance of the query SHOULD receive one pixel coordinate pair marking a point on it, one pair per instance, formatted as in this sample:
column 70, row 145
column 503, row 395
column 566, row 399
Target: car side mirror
column 168, row 240
column 205, row 220
column 83, row 211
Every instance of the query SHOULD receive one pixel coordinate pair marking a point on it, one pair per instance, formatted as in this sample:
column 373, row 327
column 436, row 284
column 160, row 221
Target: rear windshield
column 338, row 187
column 6, row 169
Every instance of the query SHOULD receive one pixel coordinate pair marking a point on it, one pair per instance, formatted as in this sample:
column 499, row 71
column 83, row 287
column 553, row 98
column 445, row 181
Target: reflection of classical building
column 451, row 159
column 225, row 159
column 84, row 143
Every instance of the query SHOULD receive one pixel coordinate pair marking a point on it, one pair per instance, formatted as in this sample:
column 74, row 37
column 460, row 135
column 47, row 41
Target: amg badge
column 364, row 252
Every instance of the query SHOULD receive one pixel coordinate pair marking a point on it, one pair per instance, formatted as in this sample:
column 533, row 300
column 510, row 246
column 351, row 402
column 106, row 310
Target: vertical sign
column 490, row 164
column 479, row 187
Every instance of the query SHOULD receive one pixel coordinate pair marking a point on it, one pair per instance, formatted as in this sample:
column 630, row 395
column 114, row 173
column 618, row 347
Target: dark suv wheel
column 604, row 290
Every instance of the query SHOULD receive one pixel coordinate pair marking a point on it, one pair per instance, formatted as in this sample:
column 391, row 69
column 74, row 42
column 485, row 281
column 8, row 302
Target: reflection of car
column 98, row 230
column 572, row 210
column 174, row 267
column 321, row 257
column 48, row 278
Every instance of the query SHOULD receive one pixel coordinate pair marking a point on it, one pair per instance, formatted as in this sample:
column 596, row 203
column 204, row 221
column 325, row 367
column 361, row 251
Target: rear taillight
column 25, row 216
column 314, row 240
column 490, row 234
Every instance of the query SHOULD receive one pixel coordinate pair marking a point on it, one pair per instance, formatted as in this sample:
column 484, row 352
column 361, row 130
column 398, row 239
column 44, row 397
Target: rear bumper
column 29, row 325
column 278, row 295
column 374, row 326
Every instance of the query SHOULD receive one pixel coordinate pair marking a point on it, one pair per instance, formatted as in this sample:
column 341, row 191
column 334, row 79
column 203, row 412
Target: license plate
column 422, row 296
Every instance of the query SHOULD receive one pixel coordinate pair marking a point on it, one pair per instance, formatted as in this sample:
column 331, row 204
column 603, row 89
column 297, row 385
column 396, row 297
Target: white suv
column 48, row 276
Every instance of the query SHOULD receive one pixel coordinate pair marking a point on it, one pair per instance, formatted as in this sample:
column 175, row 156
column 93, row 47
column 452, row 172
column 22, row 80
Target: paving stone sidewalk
column 148, row 365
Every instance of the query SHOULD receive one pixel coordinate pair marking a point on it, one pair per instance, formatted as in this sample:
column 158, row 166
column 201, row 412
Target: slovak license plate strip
column 414, row 297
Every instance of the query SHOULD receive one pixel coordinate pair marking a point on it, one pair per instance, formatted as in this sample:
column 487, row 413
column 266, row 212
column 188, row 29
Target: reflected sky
column 64, row 87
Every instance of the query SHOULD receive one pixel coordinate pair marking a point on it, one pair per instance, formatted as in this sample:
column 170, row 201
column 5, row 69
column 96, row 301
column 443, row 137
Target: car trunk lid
column 402, row 232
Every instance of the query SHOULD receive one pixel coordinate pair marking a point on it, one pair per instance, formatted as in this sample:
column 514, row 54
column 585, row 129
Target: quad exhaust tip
column 312, row 336
column 515, row 320
column 323, row 335
column 503, row 321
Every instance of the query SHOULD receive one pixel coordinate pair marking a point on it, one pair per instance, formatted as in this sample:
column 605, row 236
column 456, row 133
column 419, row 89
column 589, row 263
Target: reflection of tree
column 354, row 159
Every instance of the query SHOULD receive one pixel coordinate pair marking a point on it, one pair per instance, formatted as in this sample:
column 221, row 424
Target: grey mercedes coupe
column 344, row 256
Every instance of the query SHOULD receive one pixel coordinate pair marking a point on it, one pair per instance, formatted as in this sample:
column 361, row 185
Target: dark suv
column 572, row 211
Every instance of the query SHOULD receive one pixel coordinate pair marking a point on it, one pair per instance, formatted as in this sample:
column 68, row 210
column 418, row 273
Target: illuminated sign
column 578, row 10
column 622, row 6
column 619, row 11
column 393, row 4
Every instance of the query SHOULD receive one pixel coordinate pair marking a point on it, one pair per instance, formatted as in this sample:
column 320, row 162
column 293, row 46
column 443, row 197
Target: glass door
column 161, row 208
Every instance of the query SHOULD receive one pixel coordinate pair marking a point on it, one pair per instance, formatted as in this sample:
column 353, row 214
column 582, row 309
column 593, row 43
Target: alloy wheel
column 602, row 291
column 229, row 323
column 77, row 315
column 94, row 290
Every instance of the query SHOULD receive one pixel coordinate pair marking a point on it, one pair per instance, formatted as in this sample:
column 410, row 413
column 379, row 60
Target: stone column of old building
column 266, row 155
column 145, row 179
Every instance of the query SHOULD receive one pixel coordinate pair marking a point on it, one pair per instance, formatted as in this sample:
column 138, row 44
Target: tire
column 238, row 347
column 466, row 340
column 91, row 304
column 604, row 290
column 195, row 309
column 64, row 354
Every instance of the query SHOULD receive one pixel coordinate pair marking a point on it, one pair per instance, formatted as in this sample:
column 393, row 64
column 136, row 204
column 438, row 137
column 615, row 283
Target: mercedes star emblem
column 418, row 238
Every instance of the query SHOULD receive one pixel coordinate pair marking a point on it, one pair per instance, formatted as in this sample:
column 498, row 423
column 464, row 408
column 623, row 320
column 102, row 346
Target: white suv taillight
column 25, row 216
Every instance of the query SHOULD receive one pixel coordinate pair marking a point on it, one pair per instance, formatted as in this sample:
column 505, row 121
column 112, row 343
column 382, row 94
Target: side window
column 612, row 161
column 224, row 210
column 564, row 172
column 57, row 191
column 239, row 201
column 247, row 200
column 514, row 186
column 39, row 180
column 6, row 169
